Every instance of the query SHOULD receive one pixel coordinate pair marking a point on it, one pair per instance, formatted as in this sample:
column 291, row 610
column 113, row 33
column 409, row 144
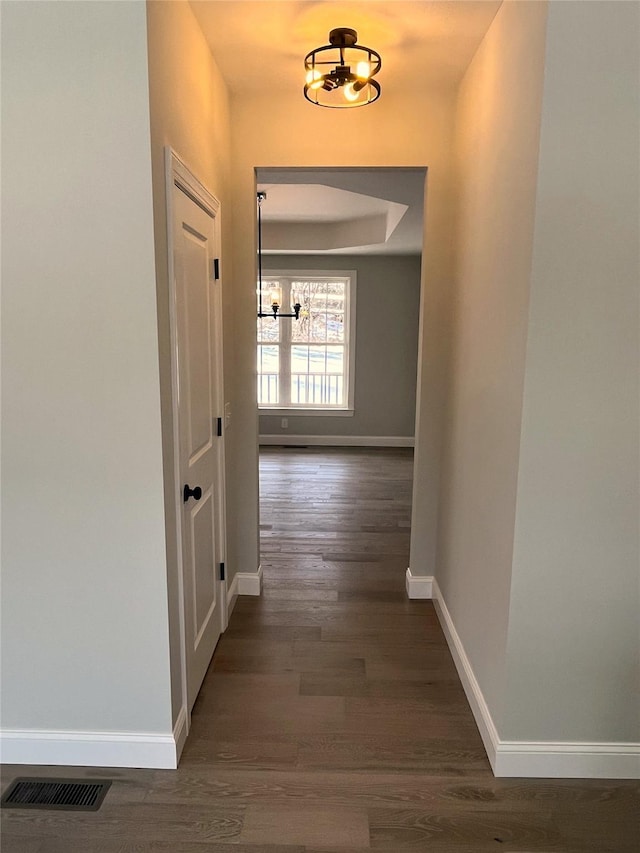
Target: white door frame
column 178, row 174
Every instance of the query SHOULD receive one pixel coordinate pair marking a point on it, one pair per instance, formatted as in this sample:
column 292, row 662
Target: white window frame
column 349, row 343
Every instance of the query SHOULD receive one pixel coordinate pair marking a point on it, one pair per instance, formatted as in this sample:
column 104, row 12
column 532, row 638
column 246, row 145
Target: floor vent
column 80, row 795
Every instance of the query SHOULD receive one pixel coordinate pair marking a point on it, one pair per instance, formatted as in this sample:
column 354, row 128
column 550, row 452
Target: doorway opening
column 337, row 387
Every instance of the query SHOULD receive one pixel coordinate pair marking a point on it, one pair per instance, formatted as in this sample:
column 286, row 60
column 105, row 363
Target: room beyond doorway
column 323, row 227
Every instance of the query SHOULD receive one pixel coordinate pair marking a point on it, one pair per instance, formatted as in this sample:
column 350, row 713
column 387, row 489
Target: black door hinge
column 219, row 427
column 221, row 571
column 216, row 268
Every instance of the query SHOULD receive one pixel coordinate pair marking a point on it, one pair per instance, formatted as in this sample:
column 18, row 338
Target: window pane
column 268, row 390
column 317, row 359
column 318, row 296
column 335, row 360
column 335, row 326
column 318, row 311
column 318, row 329
column 299, row 359
column 300, row 328
column 268, row 330
column 268, row 359
column 298, row 393
column 301, row 290
column 317, row 390
column 335, row 296
column 268, row 370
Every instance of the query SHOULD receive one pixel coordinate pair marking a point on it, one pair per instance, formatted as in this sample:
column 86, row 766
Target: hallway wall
column 497, row 133
column 574, row 644
column 538, row 537
column 189, row 110
column 85, row 648
column 258, row 140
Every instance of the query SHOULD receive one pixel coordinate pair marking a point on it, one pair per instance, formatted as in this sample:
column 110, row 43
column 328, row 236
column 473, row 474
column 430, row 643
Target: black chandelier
column 275, row 295
column 340, row 74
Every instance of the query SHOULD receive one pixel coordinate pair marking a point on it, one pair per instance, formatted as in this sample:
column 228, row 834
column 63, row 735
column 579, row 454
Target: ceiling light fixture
column 275, row 293
column 340, row 74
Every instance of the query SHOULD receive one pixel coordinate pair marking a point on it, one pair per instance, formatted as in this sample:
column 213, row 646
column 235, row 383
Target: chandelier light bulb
column 350, row 92
column 363, row 70
column 314, row 78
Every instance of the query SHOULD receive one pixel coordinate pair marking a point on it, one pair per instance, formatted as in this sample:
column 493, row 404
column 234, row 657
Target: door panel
column 199, row 404
column 198, row 341
column 204, row 586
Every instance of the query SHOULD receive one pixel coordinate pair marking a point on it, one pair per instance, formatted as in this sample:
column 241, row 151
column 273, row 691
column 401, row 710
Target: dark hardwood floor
column 332, row 719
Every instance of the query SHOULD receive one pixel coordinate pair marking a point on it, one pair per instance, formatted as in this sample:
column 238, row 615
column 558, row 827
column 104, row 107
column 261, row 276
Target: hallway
column 332, row 719
column 334, row 669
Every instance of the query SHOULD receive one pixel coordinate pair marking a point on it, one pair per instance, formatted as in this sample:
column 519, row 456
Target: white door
column 200, row 404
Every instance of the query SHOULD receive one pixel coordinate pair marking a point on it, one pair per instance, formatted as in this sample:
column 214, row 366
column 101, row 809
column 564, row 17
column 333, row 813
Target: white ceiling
column 342, row 211
column 317, row 202
column 259, row 46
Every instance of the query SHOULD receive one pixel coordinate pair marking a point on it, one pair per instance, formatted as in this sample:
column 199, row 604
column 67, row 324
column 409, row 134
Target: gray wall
column 574, row 650
column 85, row 644
column 388, row 305
column 496, row 208
column 538, row 535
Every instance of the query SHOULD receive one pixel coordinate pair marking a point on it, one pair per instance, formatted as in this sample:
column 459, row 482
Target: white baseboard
column 243, row 583
column 339, row 440
column 419, row 587
column 249, row 583
column 553, row 760
column 180, row 732
column 484, row 721
column 232, row 597
column 89, row 749
column 562, row 760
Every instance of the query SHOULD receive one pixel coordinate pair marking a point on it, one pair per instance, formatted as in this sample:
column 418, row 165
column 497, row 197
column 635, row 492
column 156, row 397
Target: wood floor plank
column 101, row 846
column 293, row 594
column 17, row 844
column 143, row 822
column 264, row 752
column 332, row 719
column 306, row 824
column 406, row 829
column 369, row 752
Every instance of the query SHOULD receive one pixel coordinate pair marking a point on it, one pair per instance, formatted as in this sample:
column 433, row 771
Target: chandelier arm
column 371, row 82
column 275, row 308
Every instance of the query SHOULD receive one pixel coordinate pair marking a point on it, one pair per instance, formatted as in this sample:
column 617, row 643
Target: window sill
column 309, row 413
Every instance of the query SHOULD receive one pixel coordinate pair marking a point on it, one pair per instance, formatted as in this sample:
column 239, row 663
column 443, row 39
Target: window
column 307, row 364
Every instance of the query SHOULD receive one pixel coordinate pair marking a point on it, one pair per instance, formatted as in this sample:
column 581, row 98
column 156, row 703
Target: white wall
column 399, row 132
column 538, row 559
column 387, row 309
column 84, row 620
column 190, row 112
column 574, row 645
column 497, row 131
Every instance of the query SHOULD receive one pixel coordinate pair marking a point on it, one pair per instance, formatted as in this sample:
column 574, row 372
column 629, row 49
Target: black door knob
column 188, row 492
